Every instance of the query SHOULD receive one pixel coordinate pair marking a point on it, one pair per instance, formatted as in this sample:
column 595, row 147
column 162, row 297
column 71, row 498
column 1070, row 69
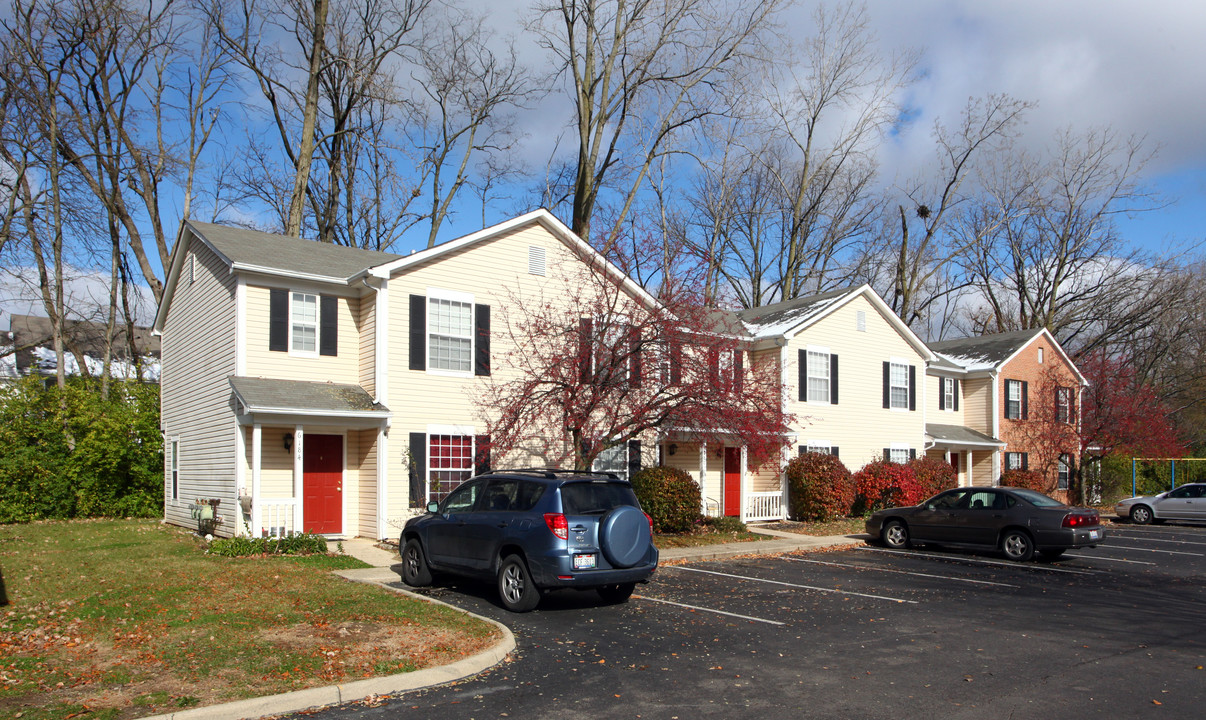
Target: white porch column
column 703, row 476
column 298, row 442
column 257, row 439
column 236, row 513
column 967, row 468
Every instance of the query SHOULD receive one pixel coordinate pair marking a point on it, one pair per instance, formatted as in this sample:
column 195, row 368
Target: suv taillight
column 1074, row 520
column 558, row 525
column 650, row 519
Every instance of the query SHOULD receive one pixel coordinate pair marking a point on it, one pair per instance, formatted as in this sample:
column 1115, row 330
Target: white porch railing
column 764, row 506
column 276, row 517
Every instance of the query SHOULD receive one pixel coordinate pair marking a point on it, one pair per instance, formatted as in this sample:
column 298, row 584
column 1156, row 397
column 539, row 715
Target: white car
column 1187, row 502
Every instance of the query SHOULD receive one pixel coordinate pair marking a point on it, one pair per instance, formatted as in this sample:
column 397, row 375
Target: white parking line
column 1109, row 559
column 1140, row 536
column 960, row 558
column 1155, row 550
column 902, row 572
column 795, row 585
column 704, row 609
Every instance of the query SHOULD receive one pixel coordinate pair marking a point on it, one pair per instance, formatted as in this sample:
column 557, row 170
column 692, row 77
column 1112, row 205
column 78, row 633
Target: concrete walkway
column 387, row 570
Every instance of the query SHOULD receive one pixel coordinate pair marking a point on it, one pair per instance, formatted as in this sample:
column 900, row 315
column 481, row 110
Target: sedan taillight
column 558, row 525
column 1075, row 520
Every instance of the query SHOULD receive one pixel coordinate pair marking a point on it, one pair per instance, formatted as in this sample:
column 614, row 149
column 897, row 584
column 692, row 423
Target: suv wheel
column 415, row 572
column 515, row 586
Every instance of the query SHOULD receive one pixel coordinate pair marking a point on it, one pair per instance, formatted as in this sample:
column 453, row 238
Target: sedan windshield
column 1036, row 498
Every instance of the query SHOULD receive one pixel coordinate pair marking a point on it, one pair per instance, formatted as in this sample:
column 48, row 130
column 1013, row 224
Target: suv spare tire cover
column 624, row 535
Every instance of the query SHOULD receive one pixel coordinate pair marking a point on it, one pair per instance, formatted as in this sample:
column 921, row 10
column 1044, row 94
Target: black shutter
column 955, row 392
column 418, row 469
column 1025, row 461
column 418, row 332
column 912, row 453
column 803, row 376
column 1025, row 401
column 481, row 455
column 481, row 346
column 803, row 449
column 912, row 387
column 941, row 393
column 634, row 457
column 887, row 385
column 328, row 325
column 833, row 380
column 713, row 367
column 676, row 362
column 278, row 320
column 634, row 357
column 738, row 371
column 887, row 454
column 585, row 341
column 833, row 450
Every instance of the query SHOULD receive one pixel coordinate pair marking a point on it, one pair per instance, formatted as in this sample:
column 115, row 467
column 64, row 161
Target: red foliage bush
column 1027, row 479
column 819, row 487
column 933, row 475
column 882, row 484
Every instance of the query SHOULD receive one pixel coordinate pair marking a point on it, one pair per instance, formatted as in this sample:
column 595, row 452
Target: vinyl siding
column 365, row 506
column 859, row 424
column 495, row 272
column 198, row 346
column 933, row 393
column 976, row 404
column 367, row 329
column 262, row 362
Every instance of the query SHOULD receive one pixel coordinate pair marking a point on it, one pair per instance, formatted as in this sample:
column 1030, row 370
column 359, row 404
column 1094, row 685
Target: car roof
column 555, row 475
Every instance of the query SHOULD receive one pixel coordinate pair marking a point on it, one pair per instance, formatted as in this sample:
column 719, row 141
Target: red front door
column 322, row 484
column 732, row 481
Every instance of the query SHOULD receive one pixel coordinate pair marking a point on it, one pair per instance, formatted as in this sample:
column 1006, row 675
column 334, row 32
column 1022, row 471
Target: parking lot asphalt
column 855, row 633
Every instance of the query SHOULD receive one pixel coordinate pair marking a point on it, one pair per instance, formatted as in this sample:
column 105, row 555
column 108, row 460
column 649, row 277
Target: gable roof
column 791, row 317
column 541, row 217
column 272, row 254
column 992, row 352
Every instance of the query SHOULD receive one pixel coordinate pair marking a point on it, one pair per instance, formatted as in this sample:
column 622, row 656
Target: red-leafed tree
column 588, row 365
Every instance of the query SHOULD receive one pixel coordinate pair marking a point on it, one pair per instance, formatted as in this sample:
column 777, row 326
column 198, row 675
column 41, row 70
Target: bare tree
column 640, row 73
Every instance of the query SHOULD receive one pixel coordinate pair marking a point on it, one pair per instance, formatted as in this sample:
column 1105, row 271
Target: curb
column 361, row 689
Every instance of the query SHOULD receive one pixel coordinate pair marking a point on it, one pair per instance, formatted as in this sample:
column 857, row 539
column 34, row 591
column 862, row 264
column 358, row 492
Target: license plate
column 584, row 562
column 1094, row 534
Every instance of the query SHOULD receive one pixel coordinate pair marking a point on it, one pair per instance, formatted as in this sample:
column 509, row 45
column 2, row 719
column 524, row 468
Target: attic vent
column 536, row 260
column 860, row 321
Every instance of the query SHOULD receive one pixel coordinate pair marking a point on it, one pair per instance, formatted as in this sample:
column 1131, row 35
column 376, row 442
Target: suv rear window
column 595, row 498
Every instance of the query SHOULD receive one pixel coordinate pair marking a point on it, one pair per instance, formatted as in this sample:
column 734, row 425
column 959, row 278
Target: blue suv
column 533, row 531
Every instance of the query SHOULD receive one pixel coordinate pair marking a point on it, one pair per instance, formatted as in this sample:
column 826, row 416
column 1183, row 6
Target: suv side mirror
column 433, row 507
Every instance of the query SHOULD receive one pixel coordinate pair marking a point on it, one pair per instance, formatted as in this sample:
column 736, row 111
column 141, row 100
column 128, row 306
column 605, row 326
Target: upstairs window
column 899, row 386
column 304, row 326
column 450, row 335
column 1015, row 400
column 1063, row 404
column 818, row 376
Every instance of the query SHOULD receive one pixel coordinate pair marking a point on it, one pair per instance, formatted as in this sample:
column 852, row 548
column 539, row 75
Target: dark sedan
column 1016, row 521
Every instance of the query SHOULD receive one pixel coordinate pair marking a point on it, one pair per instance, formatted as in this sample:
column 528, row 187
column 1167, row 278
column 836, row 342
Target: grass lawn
column 701, row 537
column 121, row 619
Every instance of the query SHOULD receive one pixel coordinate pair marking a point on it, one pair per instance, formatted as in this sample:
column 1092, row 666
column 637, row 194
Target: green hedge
column 71, row 453
column 302, row 544
column 670, row 496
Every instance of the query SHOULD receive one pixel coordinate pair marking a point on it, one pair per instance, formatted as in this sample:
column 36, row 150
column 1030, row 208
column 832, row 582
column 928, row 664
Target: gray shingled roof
column 985, row 349
column 264, row 394
column 779, row 317
column 959, row 435
column 289, row 255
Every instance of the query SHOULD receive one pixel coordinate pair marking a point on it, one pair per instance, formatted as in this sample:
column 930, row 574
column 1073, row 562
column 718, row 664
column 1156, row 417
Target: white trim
column 381, row 344
column 906, row 365
column 241, row 326
column 433, row 429
column 240, row 478
column 257, row 454
column 454, row 296
column 371, row 414
column 820, row 350
column 382, row 483
column 293, row 275
column 299, row 442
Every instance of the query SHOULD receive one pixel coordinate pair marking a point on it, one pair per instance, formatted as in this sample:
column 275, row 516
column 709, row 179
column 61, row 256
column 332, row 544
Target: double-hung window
column 175, row 460
column 818, row 376
column 948, row 393
column 450, row 334
column 304, row 325
column 1013, row 399
column 1063, row 404
column 1015, row 461
column 1065, row 470
column 898, row 455
column 450, row 460
column 899, row 386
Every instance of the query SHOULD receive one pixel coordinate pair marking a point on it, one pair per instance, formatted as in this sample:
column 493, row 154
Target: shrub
column 301, row 544
column 883, row 484
column 819, row 487
column 933, row 475
column 724, row 524
column 670, row 496
column 1032, row 479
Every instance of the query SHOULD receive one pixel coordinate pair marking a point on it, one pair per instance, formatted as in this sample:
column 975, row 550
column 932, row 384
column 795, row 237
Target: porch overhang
column 958, row 437
column 297, row 402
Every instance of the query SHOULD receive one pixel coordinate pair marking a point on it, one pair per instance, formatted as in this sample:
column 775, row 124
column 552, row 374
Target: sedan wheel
column 1141, row 515
column 1017, row 545
column 515, row 586
column 895, row 534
